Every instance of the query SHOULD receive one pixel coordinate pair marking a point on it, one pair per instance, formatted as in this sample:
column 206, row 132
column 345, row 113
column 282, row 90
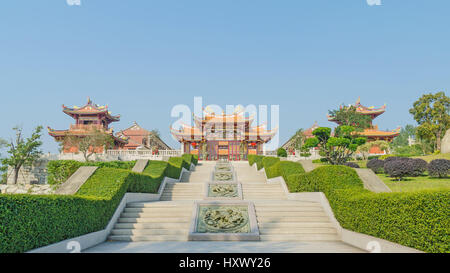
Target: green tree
column 339, row 148
column 3, row 169
column 89, row 144
column 347, row 115
column 432, row 113
column 405, row 133
column 299, row 139
column 22, row 151
column 156, row 132
column 281, row 152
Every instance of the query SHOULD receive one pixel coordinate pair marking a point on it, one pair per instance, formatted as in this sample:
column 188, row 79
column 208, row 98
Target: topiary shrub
column 252, row 159
column 419, row 166
column 351, row 165
column 399, row 168
column 376, row 165
column 267, row 162
column 284, row 169
column 281, row 152
column 439, row 168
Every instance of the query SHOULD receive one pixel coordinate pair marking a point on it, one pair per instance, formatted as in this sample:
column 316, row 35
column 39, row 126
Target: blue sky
column 143, row 57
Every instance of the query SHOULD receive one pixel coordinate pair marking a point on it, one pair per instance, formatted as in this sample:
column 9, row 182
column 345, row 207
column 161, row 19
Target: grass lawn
column 428, row 158
column 416, row 183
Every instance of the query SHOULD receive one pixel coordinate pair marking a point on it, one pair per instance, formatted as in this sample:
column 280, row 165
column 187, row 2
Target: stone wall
column 445, row 145
column 36, row 174
column 27, row 188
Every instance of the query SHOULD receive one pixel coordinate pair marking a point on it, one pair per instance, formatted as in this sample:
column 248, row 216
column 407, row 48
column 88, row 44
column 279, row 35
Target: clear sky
column 143, row 57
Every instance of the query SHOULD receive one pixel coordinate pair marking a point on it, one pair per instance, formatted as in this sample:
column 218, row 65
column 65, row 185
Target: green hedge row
column 417, row 219
column 267, row 162
column 252, row 159
column 58, row 171
column 190, row 159
column 284, row 169
column 32, row 221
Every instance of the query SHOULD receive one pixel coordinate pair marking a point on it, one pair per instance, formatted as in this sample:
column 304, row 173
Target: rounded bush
column 394, row 158
column 419, row 166
column 281, row 152
column 351, row 165
column 439, row 168
column 399, row 167
column 376, row 165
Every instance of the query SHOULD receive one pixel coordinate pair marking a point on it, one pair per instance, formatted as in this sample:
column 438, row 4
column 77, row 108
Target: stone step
column 271, row 219
column 313, row 230
column 154, row 220
column 288, row 214
column 293, row 225
column 174, row 225
column 150, row 232
column 258, row 197
column 142, row 238
column 183, row 185
column 159, row 210
column 300, row 237
column 286, row 209
column 159, row 204
column 181, row 193
column 181, row 198
column 284, row 203
column 169, row 214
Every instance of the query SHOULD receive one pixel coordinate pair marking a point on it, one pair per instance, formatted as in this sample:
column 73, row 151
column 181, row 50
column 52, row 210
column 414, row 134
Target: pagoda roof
column 210, row 117
column 375, row 132
column 373, row 111
column 134, row 130
column 90, row 109
column 189, row 133
column 63, row 133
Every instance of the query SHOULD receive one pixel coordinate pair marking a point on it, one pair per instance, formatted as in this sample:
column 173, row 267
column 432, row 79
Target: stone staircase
column 262, row 191
column 182, row 191
column 293, row 221
column 279, row 219
column 153, row 221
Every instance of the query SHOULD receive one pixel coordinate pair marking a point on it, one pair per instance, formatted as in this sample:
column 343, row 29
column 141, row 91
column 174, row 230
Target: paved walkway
column 308, row 165
column 74, row 183
column 223, row 247
column 371, row 181
column 140, row 165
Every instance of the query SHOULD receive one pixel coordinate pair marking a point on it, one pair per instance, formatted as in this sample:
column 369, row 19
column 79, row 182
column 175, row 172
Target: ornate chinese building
column 140, row 138
column 88, row 118
column 223, row 136
column 289, row 146
column 373, row 133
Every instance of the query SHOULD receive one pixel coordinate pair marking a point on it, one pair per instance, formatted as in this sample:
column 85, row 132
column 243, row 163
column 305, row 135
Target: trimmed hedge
column 175, row 165
column 267, row 162
column 439, row 168
column 284, row 169
column 38, row 220
column 60, row 170
column 416, row 219
column 376, row 165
